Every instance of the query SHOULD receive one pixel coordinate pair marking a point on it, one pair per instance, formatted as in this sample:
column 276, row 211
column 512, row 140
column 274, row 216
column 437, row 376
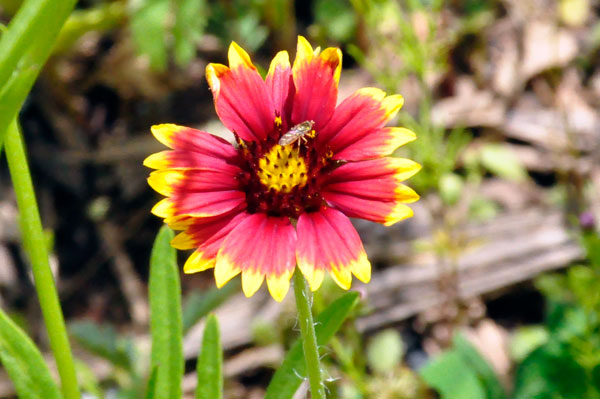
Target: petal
column 281, row 86
column 341, row 253
column 181, row 159
column 400, row 168
column 206, row 235
column 361, row 115
column 188, row 139
column 372, row 190
column 279, row 284
column 385, row 212
column 171, row 182
column 378, row 144
column 200, row 204
column 241, row 97
column 196, row 192
column 316, row 78
column 260, row 246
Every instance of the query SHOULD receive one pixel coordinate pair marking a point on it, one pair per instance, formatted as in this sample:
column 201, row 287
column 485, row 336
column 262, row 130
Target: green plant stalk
column 35, row 243
column 309, row 338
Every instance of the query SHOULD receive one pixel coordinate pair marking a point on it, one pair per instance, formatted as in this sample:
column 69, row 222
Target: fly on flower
column 298, row 132
column 263, row 207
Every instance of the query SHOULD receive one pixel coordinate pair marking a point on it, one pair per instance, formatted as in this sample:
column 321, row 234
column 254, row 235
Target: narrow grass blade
column 210, row 363
column 288, row 377
column 25, row 46
column 165, row 317
column 151, row 387
column 24, row 363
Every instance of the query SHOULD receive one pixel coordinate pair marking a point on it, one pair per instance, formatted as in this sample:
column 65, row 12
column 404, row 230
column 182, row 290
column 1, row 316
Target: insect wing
column 290, row 137
column 296, row 132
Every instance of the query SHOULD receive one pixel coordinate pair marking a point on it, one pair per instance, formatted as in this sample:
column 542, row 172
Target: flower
column 260, row 208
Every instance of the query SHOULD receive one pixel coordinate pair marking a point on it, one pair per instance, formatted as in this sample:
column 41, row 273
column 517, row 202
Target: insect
column 298, row 132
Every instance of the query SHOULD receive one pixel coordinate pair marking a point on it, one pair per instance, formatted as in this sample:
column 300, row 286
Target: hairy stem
column 309, row 338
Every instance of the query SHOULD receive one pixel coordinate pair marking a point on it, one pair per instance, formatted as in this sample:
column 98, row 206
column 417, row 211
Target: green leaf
column 451, row 376
column 462, row 373
column 502, row 162
column 198, row 304
column 566, row 321
column 25, row 46
column 151, row 386
column 583, row 283
column 24, row 363
column 88, row 381
column 450, row 187
column 596, row 377
column 550, row 372
column 210, row 362
column 288, row 378
column 13, row 94
column 165, row 316
column 103, row 341
column 486, row 375
column 191, row 17
column 385, row 351
column 525, row 340
column 149, row 28
column 336, row 18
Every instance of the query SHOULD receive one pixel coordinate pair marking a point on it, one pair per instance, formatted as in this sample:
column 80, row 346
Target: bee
column 297, row 132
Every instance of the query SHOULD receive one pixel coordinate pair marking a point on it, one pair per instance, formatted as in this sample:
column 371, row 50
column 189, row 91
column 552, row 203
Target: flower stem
column 35, row 244
column 309, row 338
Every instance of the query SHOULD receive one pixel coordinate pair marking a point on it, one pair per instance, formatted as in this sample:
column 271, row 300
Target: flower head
column 301, row 166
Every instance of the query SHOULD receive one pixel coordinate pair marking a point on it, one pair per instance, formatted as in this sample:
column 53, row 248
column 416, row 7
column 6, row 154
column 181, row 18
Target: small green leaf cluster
column 560, row 359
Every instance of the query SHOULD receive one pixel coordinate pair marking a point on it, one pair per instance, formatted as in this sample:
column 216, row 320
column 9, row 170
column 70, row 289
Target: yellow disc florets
column 282, row 168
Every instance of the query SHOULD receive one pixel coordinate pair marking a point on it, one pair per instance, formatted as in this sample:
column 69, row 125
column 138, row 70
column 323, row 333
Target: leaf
column 463, row 373
column 525, row 340
column 452, row 377
column 210, row 362
column 566, row 321
column 550, row 372
column 165, row 317
column 288, row 378
column 596, row 377
column 191, row 17
column 502, row 162
column 450, row 188
column 24, row 363
column 197, row 305
column 151, row 387
column 103, row 341
column 88, row 382
column 480, row 366
column 385, row 351
column 149, row 29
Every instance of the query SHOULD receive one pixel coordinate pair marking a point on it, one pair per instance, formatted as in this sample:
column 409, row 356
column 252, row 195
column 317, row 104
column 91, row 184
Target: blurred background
column 491, row 291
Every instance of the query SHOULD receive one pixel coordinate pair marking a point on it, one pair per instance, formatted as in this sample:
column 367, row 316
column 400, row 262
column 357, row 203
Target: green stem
column 36, row 246
column 309, row 338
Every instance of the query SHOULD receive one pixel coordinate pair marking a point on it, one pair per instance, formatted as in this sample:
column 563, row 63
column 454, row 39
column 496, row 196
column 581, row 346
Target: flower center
column 282, row 180
column 282, row 168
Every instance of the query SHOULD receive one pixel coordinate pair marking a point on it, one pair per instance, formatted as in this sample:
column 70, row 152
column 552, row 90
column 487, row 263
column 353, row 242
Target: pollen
column 282, row 168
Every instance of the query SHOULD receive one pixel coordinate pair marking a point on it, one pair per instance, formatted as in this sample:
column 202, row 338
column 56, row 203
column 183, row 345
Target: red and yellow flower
column 259, row 208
